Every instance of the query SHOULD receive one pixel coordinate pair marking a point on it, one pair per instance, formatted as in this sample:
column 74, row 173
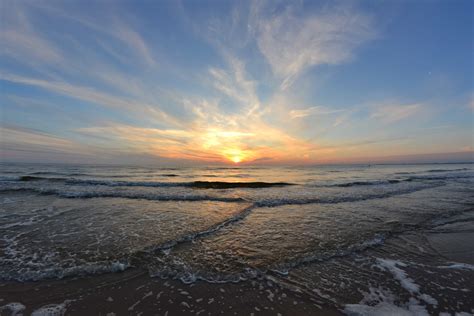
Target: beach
column 248, row 157
column 331, row 240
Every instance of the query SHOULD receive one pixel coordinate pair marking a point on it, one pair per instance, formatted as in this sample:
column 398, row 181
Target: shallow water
column 218, row 224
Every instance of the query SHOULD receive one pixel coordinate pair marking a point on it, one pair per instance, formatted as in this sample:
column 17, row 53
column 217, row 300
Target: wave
column 443, row 177
column 230, row 185
column 51, row 173
column 125, row 195
column 153, row 196
column 237, row 175
column 209, row 231
column 173, row 269
column 118, row 264
column 447, row 170
column 185, row 273
column 193, row 184
column 34, row 178
column 434, row 171
column 80, row 174
column 342, row 199
column 377, row 240
column 395, row 181
column 58, row 272
column 369, row 182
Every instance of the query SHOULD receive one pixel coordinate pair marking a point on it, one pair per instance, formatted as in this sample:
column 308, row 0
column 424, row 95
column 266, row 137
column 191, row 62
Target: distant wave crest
column 193, row 184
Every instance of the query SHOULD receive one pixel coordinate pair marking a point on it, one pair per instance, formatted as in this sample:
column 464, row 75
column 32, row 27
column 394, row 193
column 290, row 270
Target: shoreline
column 133, row 291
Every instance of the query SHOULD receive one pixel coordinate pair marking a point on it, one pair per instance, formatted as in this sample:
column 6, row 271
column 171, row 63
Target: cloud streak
column 94, row 96
column 395, row 113
column 315, row 110
column 292, row 43
column 223, row 88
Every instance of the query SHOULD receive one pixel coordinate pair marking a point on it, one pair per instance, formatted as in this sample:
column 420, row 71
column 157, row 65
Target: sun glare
column 236, row 159
column 235, row 155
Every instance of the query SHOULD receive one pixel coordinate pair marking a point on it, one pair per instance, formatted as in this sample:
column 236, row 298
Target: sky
column 236, row 82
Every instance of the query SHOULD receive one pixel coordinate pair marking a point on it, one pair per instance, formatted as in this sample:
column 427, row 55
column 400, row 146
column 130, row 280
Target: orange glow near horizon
column 235, row 155
column 251, row 142
column 236, row 159
column 254, row 142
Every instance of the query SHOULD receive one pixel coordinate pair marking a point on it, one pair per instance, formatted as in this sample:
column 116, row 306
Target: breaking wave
column 193, row 184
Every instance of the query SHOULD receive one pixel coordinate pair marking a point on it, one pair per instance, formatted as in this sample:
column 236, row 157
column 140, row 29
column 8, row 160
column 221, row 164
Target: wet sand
column 133, row 292
column 457, row 247
column 454, row 239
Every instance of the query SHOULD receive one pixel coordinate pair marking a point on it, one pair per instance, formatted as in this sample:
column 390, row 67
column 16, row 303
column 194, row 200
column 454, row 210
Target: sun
column 235, row 155
column 236, row 159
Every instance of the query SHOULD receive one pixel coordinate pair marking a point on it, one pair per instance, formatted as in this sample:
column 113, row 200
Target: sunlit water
column 217, row 224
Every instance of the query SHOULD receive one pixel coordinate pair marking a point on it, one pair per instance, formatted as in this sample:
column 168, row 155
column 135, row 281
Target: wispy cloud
column 30, row 136
column 293, row 42
column 27, row 44
column 470, row 103
column 234, row 85
column 20, row 40
column 94, row 96
column 22, row 143
column 394, row 113
column 117, row 28
column 315, row 110
column 228, row 140
column 226, row 94
column 135, row 42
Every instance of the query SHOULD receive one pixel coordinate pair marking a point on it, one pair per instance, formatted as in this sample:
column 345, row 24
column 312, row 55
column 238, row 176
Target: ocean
column 357, row 239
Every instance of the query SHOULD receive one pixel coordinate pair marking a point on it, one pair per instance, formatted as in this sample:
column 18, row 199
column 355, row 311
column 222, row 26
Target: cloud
column 10, row 133
column 234, row 107
column 20, row 40
column 292, row 43
column 235, row 83
column 394, row 113
column 210, row 137
column 139, row 136
column 94, row 96
column 315, row 110
column 135, row 42
column 470, row 104
column 19, row 143
column 116, row 29
column 27, row 45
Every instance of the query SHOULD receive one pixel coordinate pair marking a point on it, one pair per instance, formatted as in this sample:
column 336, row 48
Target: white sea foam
column 14, row 308
column 385, row 309
column 394, row 267
column 87, row 194
column 460, row 266
column 380, row 302
column 58, row 272
column 52, row 309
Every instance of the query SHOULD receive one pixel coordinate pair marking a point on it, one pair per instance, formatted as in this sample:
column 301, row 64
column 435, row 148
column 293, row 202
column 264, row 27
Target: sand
column 134, row 292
